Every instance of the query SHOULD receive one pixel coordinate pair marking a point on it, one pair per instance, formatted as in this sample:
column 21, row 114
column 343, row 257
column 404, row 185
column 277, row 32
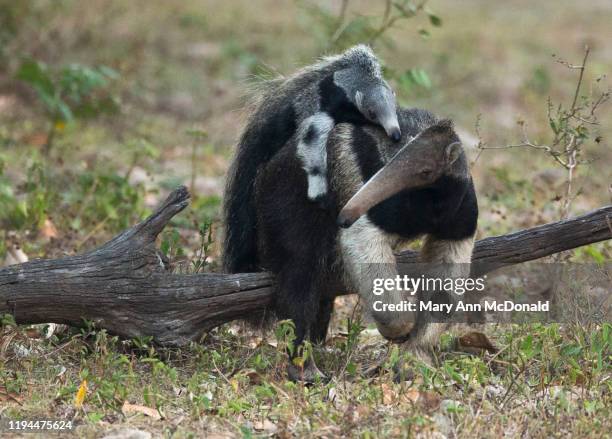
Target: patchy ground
column 182, row 73
column 545, row 381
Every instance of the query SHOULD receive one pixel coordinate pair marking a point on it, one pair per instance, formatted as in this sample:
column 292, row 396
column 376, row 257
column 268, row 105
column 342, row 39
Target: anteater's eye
column 426, row 172
column 372, row 115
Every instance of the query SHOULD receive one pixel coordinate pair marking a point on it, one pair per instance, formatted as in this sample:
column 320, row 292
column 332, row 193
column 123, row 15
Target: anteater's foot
column 405, row 371
column 309, row 374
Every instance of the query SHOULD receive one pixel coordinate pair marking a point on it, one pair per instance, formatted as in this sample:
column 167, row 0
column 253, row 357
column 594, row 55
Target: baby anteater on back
column 304, row 107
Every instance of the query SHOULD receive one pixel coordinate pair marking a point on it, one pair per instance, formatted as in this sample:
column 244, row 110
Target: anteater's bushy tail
column 269, row 127
column 240, row 244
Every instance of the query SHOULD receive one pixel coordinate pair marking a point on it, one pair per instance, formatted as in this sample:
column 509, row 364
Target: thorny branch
column 405, row 9
column 570, row 128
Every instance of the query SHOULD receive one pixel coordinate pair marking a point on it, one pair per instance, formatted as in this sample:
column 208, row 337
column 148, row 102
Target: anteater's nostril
column 344, row 221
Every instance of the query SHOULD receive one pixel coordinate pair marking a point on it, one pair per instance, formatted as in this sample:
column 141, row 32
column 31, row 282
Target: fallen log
column 536, row 242
column 125, row 287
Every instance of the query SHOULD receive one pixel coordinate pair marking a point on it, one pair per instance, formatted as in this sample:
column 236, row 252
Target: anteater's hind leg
column 299, row 300
column 295, row 240
column 320, row 326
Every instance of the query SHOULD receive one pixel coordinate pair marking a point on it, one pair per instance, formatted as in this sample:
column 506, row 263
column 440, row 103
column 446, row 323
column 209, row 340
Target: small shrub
column 75, row 91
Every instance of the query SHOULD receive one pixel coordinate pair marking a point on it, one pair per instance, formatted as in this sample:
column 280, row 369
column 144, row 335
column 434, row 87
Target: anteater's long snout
column 418, row 164
column 347, row 217
column 385, row 183
column 391, row 126
column 389, row 121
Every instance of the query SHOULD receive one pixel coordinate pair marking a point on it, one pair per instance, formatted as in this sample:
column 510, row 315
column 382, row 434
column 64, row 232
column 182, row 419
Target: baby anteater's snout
column 396, row 135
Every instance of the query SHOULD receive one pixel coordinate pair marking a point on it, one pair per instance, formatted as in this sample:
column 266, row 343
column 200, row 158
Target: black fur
column 311, row 134
column 299, row 251
column 448, row 210
column 257, row 145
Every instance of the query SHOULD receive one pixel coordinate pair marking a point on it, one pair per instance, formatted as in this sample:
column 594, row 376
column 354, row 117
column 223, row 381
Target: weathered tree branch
column 535, row 243
column 124, row 286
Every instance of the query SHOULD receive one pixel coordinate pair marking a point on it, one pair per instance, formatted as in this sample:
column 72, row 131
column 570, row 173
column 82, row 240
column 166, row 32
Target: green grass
column 546, row 379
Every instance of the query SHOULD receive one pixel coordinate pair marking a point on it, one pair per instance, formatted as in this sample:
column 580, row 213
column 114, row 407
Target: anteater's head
column 372, row 96
column 420, row 163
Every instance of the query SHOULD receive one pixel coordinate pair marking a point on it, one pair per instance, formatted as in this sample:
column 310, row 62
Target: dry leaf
column 254, row 342
column 80, row 395
column 6, row 103
column 48, row 230
column 33, row 332
column 475, row 342
column 411, row 395
column 331, row 394
column 252, row 375
column 266, row 426
column 6, row 396
column 53, row 328
column 351, row 415
column 37, row 139
column 389, row 393
column 427, row 400
column 45, row 330
column 61, row 371
column 129, row 409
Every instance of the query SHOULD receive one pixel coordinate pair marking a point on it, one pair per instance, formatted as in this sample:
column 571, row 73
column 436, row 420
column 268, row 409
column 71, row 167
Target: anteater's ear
column 453, row 152
column 347, row 79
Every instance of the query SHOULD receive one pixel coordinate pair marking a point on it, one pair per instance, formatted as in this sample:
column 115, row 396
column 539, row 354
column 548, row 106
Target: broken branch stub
column 124, row 287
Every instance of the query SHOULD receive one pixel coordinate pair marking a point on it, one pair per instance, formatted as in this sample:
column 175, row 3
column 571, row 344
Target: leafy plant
column 338, row 32
column 75, row 91
column 572, row 127
column 285, row 335
column 414, row 79
column 170, row 244
column 29, row 208
column 106, row 199
column 200, row 262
